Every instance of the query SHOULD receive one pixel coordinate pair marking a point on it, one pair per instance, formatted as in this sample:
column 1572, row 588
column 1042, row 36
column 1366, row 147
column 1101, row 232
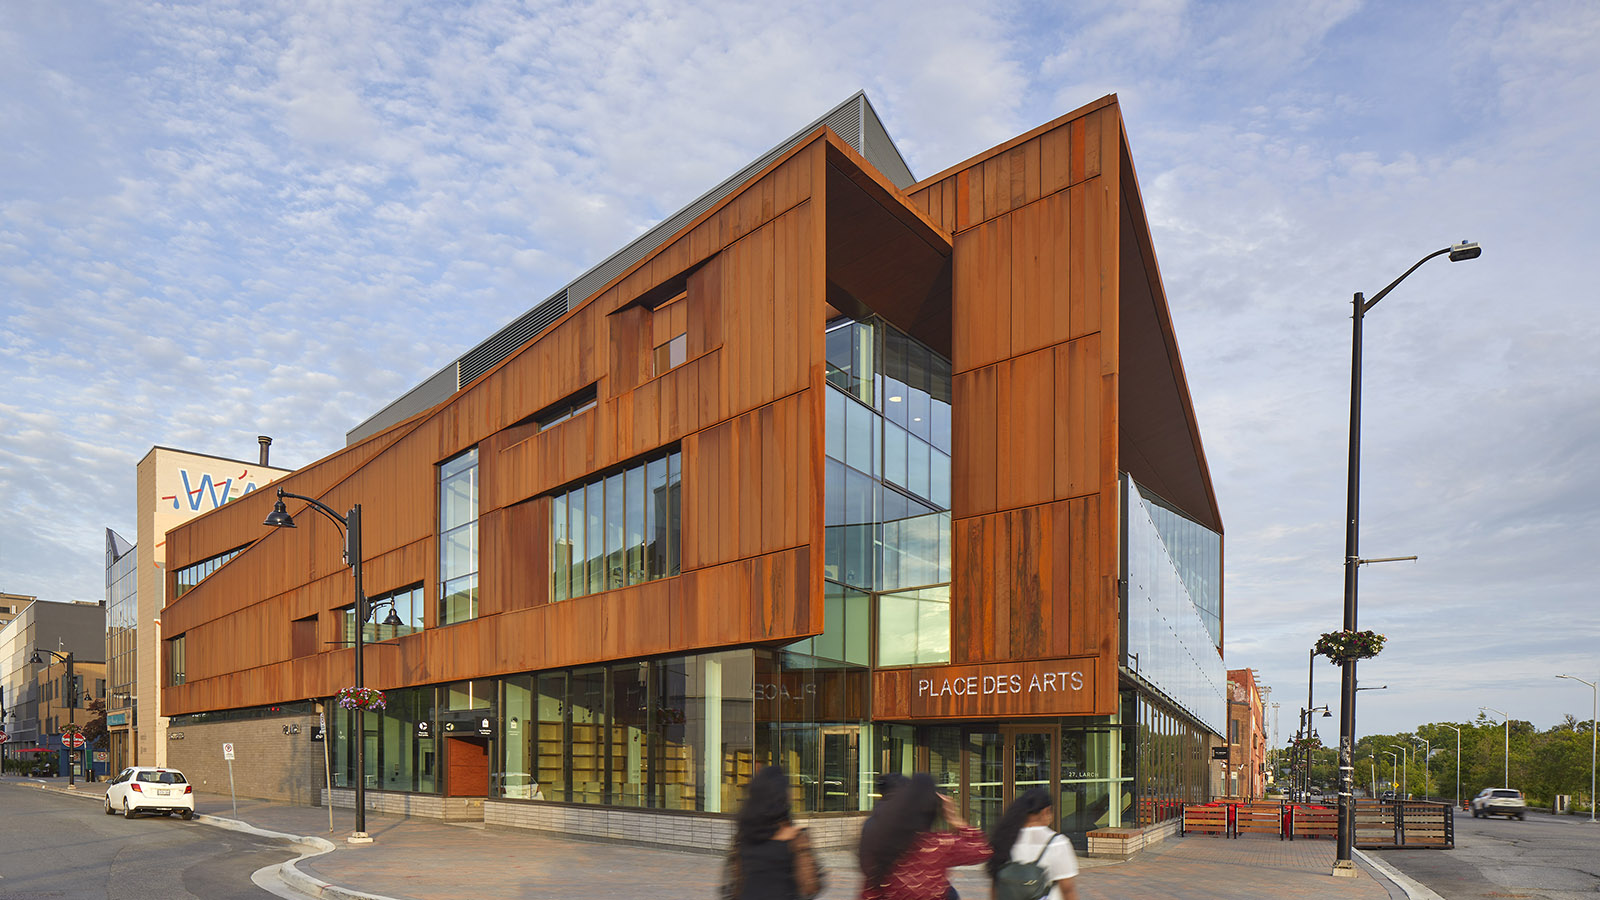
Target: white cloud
column 217, row 222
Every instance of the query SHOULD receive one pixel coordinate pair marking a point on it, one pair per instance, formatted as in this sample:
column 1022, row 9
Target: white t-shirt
column 1059, row 861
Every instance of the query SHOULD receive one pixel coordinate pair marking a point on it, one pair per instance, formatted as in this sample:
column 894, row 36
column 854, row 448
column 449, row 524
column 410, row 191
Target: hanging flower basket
column 360, row 698
column 1302, row 744
column 1339, row 646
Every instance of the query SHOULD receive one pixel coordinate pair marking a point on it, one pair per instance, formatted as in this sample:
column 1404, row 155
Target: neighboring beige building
column 11, row 605
column 174, row 486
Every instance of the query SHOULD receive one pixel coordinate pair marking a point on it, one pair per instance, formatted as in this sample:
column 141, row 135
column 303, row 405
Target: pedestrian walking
column 904, row 858
column 771, row 858
column 888, row 783
column 1031, row 860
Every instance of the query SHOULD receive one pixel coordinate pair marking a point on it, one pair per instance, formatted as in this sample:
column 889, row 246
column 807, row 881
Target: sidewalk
column 422, row 859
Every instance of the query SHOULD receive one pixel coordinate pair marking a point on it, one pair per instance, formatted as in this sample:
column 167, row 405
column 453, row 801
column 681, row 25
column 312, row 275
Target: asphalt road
column 55, row 846
column 1544, row 857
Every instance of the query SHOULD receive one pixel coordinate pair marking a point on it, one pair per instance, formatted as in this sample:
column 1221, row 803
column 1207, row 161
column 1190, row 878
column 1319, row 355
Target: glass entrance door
column 1000, row 764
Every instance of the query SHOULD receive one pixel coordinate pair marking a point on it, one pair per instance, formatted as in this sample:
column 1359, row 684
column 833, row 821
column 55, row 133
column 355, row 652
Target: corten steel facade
column 840, row 476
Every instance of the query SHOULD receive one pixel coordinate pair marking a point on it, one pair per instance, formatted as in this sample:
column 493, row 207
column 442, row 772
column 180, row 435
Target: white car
column 1499, row 802
column 146, row 789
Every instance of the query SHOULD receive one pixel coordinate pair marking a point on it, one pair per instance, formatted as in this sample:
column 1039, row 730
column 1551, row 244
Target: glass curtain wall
column 458, row 538
column 887, row 494
column 1096, row 775
column 1172, row 764
column 811, row 717
column 669, row 733
column 401, row 753
column 122, row 620
column 1167, row 643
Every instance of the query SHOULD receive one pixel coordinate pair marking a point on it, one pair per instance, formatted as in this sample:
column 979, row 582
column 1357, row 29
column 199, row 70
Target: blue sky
column 221, row 221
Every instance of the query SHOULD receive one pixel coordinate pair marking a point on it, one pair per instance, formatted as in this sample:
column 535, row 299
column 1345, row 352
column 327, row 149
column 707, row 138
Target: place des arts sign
column 1042, row 687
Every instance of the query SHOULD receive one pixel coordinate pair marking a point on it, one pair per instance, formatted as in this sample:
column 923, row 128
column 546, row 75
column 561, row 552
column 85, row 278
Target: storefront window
column 673, row 733
column 401, row 753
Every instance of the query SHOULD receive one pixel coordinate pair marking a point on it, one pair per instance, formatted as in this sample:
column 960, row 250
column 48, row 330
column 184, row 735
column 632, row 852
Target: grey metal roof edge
column 582, row 287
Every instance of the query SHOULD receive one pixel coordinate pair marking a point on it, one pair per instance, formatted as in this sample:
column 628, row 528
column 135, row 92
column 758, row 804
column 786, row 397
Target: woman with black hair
column 903, row 858
column 1023, row 835
column 771, row 857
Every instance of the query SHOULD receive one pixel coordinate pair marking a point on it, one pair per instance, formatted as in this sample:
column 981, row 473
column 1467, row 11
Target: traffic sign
column 3, row 737
column 74, row 741
column 227, row 752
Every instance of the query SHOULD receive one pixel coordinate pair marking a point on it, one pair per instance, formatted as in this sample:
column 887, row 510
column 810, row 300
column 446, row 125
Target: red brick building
column 1247, row 736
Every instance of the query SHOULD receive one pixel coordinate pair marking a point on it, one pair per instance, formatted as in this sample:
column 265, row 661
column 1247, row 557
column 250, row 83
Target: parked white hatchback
column 142, row 789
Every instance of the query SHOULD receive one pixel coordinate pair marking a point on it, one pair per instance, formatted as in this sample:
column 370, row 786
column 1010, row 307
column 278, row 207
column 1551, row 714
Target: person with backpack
column 1032, row 861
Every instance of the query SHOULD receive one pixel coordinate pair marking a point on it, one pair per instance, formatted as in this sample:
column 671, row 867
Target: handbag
column 816, row 867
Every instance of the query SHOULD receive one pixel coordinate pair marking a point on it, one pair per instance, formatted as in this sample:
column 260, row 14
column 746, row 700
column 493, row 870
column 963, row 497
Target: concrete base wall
column 693, row 831
column 1122, row 843
column 273, row 759
column 425, row 806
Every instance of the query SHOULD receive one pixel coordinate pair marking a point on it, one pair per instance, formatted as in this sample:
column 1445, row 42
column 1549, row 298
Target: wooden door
column 467, row 762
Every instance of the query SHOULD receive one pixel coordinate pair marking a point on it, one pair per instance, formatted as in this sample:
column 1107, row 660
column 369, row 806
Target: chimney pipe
column 265, row 443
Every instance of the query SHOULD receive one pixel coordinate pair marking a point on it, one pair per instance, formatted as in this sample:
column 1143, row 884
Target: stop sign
column 74, row 741
column 3, row 737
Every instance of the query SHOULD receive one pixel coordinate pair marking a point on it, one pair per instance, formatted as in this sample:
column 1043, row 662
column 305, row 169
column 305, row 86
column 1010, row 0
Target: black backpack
column 1024, row 881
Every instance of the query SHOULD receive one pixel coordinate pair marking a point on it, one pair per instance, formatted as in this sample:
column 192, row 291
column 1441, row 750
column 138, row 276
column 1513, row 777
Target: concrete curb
column 286, row 873
column 1414, row 889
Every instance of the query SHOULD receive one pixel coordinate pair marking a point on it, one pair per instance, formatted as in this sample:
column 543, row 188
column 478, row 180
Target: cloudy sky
column 220, row 221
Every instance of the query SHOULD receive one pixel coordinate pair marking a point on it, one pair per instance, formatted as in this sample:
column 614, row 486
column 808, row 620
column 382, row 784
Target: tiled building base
column 426, row 806
column 707, row 832
column 1122, row 843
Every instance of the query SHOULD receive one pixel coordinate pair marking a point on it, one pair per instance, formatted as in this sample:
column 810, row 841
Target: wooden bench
column 1307, row 821
column 1207, row 819
column 1258, row 818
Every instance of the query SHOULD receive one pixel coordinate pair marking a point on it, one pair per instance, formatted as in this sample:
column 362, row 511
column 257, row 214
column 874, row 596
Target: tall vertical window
column 176, row 661
column 458, row 538
column 887, row 488
column 617, row 530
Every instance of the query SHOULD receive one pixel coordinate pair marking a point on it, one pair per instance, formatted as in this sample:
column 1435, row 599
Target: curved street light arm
column 1385, row 292
column 319, row 506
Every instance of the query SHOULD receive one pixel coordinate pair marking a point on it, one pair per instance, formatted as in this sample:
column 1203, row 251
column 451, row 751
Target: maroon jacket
column 919, row 874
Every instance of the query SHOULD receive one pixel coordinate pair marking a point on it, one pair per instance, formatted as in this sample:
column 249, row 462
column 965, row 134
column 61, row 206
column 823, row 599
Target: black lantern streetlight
column 71, row 704
column 1343, row 864
column 349, row 526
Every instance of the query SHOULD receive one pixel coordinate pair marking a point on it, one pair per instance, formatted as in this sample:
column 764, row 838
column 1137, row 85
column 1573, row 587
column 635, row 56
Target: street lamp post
column 1405, row 770
column 1306, row 731
column 1394, row 768
column 1458, row 762
column 1594, row 719
column 72, row 705
column 1508, row 741
column 349, row 526
column 1427, row 772
column 1343, row 863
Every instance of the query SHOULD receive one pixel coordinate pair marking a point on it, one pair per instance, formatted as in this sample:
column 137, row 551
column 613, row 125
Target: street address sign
column 227, row 752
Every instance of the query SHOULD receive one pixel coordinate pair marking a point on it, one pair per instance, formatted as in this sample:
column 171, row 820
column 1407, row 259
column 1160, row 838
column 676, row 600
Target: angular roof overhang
column 1159, row 445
